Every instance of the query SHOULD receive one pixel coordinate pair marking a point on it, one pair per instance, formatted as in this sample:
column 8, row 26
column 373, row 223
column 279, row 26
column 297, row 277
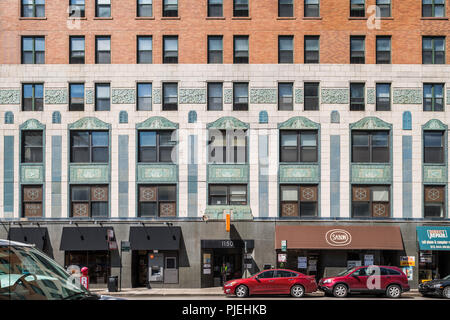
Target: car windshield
column 345, row 272
column 26, row 273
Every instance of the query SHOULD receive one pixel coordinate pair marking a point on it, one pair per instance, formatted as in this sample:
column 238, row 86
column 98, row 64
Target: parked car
column 275, row 281
column 439, row 287
column 28, row 274
column 379, row 280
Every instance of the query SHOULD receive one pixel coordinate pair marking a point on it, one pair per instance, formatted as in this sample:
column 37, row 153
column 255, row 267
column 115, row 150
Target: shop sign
column 302, row 263
column 282, row 257
column 407, row 261
column 338, row 238
column 206, row 271
column 409, row 272
column 125, row 246
column 353, row 263
column 207, row 258
column 368, row 260
column 283, row 245
column 433, row 238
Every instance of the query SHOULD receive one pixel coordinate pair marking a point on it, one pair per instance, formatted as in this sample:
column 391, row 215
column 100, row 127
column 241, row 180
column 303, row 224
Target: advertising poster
column 368, row 260
column 282, row 257
column 406, row 261
column 409, row 272
column 302, row 263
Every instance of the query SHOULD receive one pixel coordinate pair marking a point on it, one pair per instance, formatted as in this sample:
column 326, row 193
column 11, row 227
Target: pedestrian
column 224, row 271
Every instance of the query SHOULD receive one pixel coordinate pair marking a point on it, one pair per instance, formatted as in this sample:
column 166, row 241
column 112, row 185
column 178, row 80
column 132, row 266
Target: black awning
column 85, row 239
column 155, row 238
column 32, row 235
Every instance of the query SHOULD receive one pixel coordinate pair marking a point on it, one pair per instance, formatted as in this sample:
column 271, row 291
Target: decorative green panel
column 89, row 123
column 298, row 123
column 123, row 96
column 407, row 96
column 56, row 96
column 434, row 174
column 238, row 212
column 157, row 95
column 156, row 123
column 157, row 173
column 223, row 173
column 299, row 96
column 10, row 96
column 299, row 173
column 263, row 96
column 32, row 124
column 31, row 173
column 89, row 96
column 226, row 123
column 335, row 96
column 89, row 173
column 434, row 124
column 371, row 96
column 371, row 173
column 192, row 96
column 228, row 96
column 371, row 123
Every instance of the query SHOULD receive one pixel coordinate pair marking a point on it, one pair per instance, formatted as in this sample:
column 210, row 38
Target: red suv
column 275, row 281
column 390, row 281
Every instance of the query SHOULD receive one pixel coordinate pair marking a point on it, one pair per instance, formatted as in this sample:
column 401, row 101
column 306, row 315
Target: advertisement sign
column 84, row 280
column 368, row 260
column 125, row 246
column 353, row 263
column 409, row 272
column 407, row 261
column 206, row 258
column 302, row 263
column 282, row 257
column 283, row 245
column 433, row 238
column 206, row 271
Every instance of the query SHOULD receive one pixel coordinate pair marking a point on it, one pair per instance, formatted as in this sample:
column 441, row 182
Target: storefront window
column 298, row 201
column 370, row 201
column 98, row 263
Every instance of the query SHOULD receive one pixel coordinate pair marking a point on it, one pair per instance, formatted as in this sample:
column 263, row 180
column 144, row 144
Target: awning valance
column 155, row 238
column 29, row 235
column 85, row 239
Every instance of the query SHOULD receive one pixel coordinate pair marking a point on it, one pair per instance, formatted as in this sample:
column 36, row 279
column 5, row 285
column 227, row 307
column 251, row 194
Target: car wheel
column 446, row 292
column 297, row 291
column 241, row 291
column 393, row 291
column 340, row 291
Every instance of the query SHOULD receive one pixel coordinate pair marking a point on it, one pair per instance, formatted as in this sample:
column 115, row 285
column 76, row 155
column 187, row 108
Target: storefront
column 223, row 260
column 89, row 247
column 434, row 252
column 155, row 255
column 326, row 250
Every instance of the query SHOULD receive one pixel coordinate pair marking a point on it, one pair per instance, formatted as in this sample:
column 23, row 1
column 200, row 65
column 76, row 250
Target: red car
column 389, row 281
column 274, row 281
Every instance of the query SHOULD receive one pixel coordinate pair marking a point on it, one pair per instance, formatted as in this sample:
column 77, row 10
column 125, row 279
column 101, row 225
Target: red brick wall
column 192, row 28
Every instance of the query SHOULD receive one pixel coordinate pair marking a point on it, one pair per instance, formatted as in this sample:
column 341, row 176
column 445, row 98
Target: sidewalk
column 160, row 292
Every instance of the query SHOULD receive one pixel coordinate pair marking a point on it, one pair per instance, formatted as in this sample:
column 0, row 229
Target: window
column 32, row 146
column 215, row 49
column 227, row 146
column 102, row 97
column 170, row 8
column 144, row 97
column 285, row 96
column 312, row 8
column 33, row 8
column 156, row 146
column 215, row 96
column 384, row 8
column 433, row 8
column 170, row 49
column 433, row 147
column 32, row 201
column 227, row 195
column 145, row 47
column 383, row 50
column 103, row 49
column 298, row 200
column 215, row 8
column 298, row 146
column 77, row 8
column 89, row 201
column 157, row 201
column 170, row 96
column 32, row 97
column 357, row 101
column 76, row 50
column 240, row 8
column 240, row 49
column 285, row 8
column 433, row 50
column 285, row 49
column 240, row 96
column 145, row 8
column 383, row 92
column 76, row 97
column 312, row 49
column 357, row 8
column 433, row 97
column 311, row 95
column 103, row 8
column 89, row 146
column 357, row 49
column 370, row 201
column 33, row 50
column 267, row 274
column 370, row 146
column 434, row 206
column 98, row 263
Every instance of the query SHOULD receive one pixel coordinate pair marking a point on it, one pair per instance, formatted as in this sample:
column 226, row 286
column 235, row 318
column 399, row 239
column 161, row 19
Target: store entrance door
column 227, row 264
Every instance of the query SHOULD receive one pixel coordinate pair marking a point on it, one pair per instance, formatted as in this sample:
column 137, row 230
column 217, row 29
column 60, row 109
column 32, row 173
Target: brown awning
column 339, row 237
